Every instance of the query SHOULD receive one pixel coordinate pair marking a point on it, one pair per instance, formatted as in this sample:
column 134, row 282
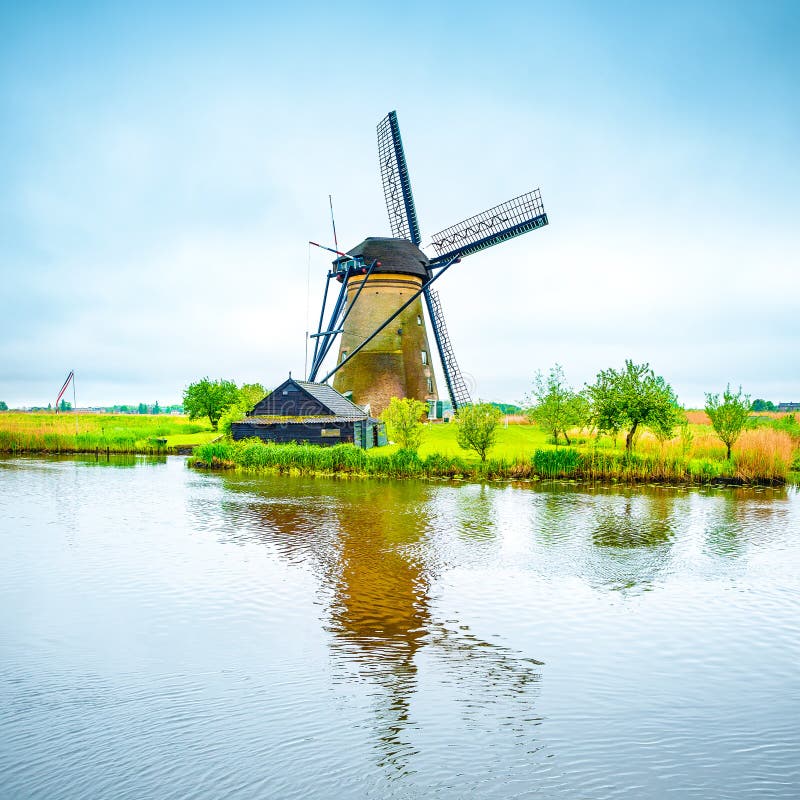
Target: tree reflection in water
column 371, row 545
column 745, row 516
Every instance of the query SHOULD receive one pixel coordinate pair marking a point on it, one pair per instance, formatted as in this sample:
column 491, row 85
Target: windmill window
column 430, row 386
column 419, row 320
column 424, row 357
column 344, row 356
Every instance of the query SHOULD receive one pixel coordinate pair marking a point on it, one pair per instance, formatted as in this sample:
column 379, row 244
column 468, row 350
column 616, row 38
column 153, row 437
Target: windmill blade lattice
column 456, row 385
column 493, row 226
column 396, row 183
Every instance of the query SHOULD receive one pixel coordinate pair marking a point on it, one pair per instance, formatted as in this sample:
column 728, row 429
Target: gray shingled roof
column 336, row 403
column 395, row 255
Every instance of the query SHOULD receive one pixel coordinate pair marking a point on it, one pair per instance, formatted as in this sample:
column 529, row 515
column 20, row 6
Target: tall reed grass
column 114, row 433
column 750, row 465
column 763, row 453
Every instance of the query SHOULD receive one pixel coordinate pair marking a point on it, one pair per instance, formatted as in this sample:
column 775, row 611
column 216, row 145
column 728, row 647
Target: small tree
column 632, row 397
column 555, row 406
column 403, row 420
column 250, row 394
column 664, row 425
column 142, row 408
column 477, row 427
column 207, row 398
column 729, row 416
column 3, row 405
column 156, row 408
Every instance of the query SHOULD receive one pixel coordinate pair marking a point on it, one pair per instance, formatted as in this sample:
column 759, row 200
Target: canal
column 168, row 633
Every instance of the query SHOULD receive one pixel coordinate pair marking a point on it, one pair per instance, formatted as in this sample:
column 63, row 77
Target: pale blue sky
column 162, row 172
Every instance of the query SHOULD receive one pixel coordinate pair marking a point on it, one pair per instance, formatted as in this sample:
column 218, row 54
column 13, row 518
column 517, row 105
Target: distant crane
column 70, row 379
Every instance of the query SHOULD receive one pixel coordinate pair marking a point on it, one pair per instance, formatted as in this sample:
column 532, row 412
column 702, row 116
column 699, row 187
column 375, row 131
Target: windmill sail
column 456, row 386
column 512, row 218
column 396, row 183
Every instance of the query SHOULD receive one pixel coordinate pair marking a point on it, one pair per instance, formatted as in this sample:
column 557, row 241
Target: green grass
column 591, row 464
column 513, row 442
column 522, row 451
column 191, row 439
column 43, row 432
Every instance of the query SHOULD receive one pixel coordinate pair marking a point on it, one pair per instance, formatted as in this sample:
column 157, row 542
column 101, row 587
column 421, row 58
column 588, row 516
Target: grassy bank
column 764, row 459
column 766, row 454
column 113, row 433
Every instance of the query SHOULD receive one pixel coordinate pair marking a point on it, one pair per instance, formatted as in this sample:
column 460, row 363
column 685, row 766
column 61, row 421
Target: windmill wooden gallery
column 377, row 317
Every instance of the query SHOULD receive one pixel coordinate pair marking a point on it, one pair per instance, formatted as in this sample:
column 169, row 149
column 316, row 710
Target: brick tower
column 397, row 362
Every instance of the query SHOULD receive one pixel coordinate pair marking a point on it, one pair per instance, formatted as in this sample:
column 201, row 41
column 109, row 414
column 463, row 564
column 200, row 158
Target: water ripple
column 173, row 634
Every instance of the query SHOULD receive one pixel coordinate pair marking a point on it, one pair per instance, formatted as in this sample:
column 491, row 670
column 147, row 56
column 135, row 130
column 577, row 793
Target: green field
column 514, row 442
column 767, row 452
column 47, row 432
column 763, row 455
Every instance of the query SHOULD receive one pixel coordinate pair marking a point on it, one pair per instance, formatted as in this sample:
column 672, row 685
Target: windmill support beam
column 321, row 317
column 326, row 333
column 331, row 334
column 322, row 350
column 389, row 320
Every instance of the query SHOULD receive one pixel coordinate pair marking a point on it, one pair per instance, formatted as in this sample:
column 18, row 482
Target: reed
column 755, row 462
column 764, row 453
column 114, row 433
column 556, row 463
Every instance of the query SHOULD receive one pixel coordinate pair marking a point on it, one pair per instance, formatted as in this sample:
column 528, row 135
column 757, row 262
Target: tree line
column 627, row 400
column 221, row 401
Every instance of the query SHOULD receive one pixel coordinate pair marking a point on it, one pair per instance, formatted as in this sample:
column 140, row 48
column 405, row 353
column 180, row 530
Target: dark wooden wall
column 282, row 433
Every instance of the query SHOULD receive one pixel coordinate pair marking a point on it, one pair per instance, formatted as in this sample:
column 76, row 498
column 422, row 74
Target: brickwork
column 391, row 365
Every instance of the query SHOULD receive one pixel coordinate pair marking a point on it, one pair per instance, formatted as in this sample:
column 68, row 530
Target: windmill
column 384, row 348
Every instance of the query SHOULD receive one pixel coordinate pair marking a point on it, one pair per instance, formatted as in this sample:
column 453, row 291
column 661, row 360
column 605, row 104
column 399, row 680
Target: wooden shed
column 301, row 411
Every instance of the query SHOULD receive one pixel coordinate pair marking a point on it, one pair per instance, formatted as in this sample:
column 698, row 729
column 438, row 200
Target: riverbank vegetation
column 762, row 455
column 47, row 432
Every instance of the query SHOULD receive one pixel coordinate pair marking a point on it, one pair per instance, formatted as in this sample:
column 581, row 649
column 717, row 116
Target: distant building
column 301, row 411
column 788, row 407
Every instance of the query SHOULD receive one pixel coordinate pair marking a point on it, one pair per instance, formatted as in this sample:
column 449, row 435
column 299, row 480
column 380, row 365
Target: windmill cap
column 395, row 256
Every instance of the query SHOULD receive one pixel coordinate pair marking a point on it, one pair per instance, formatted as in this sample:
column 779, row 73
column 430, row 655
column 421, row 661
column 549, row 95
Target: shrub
column 477, row 427
column 403, row 420
column 555, row 463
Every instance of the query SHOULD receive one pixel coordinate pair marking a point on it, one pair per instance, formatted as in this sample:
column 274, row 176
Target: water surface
column 167, row 633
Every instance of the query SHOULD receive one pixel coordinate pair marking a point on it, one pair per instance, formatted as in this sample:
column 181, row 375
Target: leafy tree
column 3, row 405
column 403, row 420
column 555, row 406
column 156, row 408
column 251, row 394
column 762, row 405
column 65, row 405
column 632, row 397
column 728, row 416
column 207, row 398
column 477, row 427
column 142, row 408
column 664, row 425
